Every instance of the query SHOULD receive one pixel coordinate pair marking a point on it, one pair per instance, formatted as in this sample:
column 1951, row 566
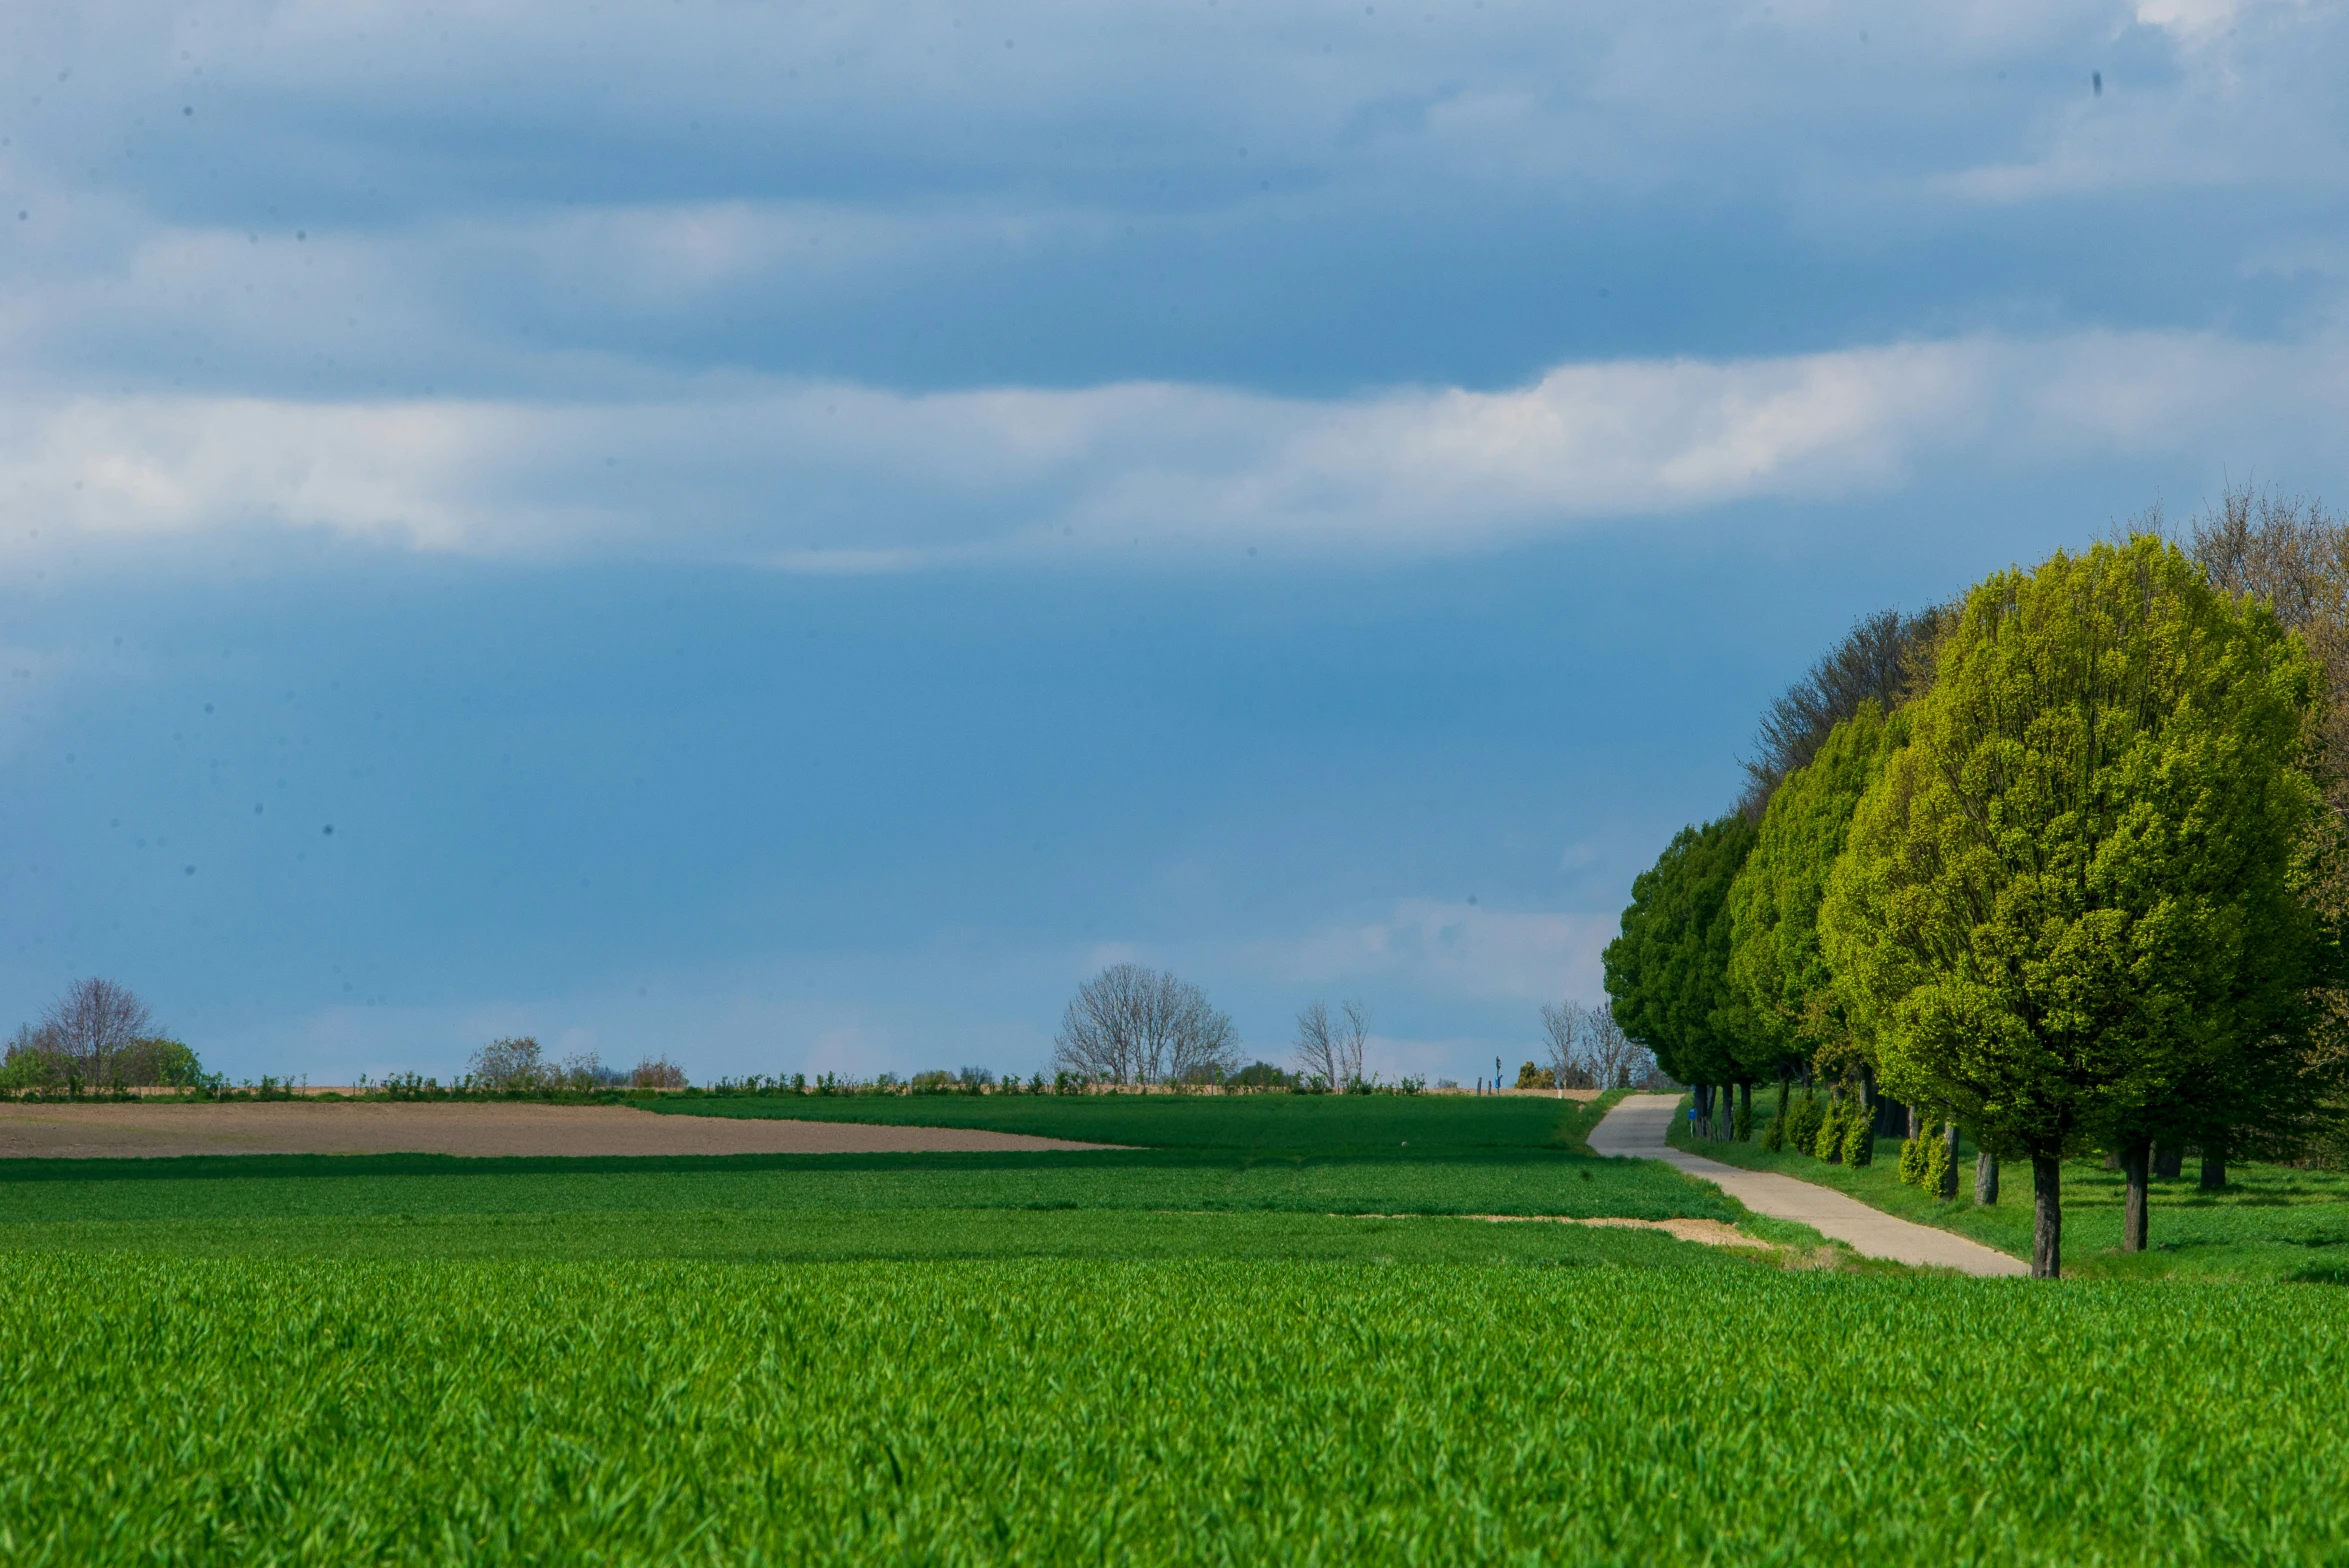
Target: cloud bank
column 833, row 477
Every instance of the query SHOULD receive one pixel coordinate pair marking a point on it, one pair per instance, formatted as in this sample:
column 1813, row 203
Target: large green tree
column 2071, row 904
column 1776, row 967
column 1668, row 972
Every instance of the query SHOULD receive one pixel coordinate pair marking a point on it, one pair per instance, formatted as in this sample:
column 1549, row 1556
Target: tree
column 1331, row 1049
column 1884, row 659
column 514, row 1062
column 2294, row 554
column 2068, row 905
column 1589, row 1050
column 1776, row 966
column 1668, row 972
column 1133, row 1025
column 92, row 1025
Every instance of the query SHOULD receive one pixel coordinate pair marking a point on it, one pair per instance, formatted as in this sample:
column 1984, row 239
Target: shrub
column 1774, row 1135
column 1829, row 1146
column 1859, row 1136
column 1802, row 1121
column 657, row 1072
column 1936, row 1164
column 1259, row 1075
column 1532, row 1077
column 1912, row 1161
column 1743, row 1121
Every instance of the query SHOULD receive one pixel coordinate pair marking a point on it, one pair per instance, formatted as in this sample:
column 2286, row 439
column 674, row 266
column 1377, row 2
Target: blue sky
column 789, row 535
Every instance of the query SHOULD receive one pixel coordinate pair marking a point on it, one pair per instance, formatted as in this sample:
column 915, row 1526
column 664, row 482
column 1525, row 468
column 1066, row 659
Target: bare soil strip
column 112, row 1131
column 1713, row 1233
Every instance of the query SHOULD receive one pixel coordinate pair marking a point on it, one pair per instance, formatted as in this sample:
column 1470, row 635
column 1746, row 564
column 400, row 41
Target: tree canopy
column 1884, row 659
column 1776, row 967
column 2069, row 904
column 1668, row 972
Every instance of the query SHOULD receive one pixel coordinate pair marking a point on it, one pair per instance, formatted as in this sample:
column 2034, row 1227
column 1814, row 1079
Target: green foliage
column 2068, row 904
column 1803, row 1118
column 26, row 1068
column 2273, row 1222
column 1859, row 1136
column 34, row 1062
column 1934, row 1171
column 1912, row 1161
column 1744, row 1128
column 1775, row 965
column 1190, row 1412
column 1774, row 1135
column 171, row 1063
column 1827, row 1142
column 1532, row 1077
column 1668, row 972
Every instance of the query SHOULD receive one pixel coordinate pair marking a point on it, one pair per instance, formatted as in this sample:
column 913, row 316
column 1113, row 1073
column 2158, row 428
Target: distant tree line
column 97, row 1037
column 1134, row 1027
column 2063, row 862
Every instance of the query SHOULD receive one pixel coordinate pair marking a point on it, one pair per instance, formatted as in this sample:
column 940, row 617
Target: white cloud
column 830, row 477
column 1450, row 948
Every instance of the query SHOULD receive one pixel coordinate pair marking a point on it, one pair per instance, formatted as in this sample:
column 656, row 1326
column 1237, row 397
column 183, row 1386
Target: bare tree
column 2294, row 554
column 1351, row 1035
column 1589, row 1050
column 657, row 1072
column 1331, row 1049
column 1561, row 1032
column 513, row 1063
column 1882, row 659
column 1317, row 1055
column 1134, row 1025
column 93, row 1024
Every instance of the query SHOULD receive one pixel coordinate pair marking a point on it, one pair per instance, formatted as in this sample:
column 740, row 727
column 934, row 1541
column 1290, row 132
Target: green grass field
column 1213, row 1349
column 2272, row 1222
column 1286, row 1125
column 269, row 1410
column 1284, row 1155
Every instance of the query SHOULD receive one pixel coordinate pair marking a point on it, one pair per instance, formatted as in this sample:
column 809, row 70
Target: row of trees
column 518, row 1064
column 1137, row 1026
column 2062, row 862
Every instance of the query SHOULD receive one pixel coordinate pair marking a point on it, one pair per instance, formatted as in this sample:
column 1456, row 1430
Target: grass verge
column 2271, row 1223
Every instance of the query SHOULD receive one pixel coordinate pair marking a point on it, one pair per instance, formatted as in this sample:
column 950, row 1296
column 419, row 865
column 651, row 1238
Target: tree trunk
column 1916, row 1123
column 2047, row 1218
column 2136, row 1162
column 2214, row 1164
column 2168, row 1160
column 1985, row 1179
column 1785, row 1086
column 1949, row 1171
column 1745, row 1110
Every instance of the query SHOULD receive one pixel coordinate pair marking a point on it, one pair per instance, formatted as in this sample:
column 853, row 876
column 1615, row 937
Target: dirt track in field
column 114, row 1131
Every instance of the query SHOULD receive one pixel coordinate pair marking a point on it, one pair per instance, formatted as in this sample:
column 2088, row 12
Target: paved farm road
column 1636, row 1127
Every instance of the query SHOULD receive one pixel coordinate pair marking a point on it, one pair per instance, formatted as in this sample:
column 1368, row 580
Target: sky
column 790, row 535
